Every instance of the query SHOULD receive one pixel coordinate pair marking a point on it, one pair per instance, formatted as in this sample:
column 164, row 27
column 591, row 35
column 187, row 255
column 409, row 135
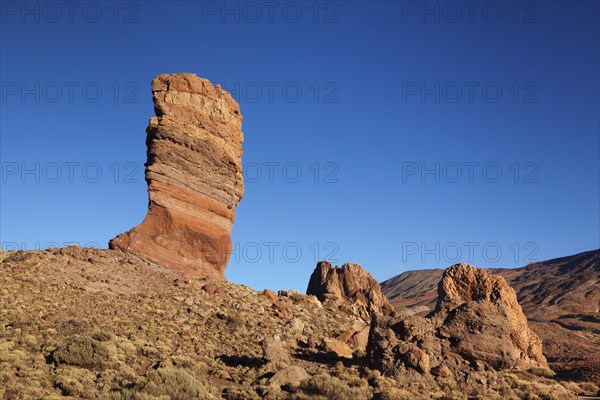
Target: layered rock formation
column 478, row 325
column 194, row 176
column 349, row 288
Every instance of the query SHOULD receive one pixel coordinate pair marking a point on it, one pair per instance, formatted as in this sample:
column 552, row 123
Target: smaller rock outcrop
column 350, row 289
column 337, row 347
column 357, row 336
column 481, row 313
column 275, row 351
column 290, row 376
column 477, row 326
column 393, row 351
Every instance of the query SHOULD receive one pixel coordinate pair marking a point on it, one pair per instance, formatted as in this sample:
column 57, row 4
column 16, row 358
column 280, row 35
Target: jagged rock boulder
column 194, row 176
column 290, row 376
column 275, row 351
column 463, row 283
column 337, row 347
column 391, row 351
column 482, row 316
column 350, row 289
column 478, row 325
column 357, row 336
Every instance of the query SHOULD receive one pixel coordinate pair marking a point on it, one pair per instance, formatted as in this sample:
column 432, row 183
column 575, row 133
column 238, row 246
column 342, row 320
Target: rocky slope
column 93, row 324
column 560, row 297
column 194, row 176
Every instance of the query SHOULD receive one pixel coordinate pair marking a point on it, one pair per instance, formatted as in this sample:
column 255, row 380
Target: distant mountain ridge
column 562, row 284
column 560, row 297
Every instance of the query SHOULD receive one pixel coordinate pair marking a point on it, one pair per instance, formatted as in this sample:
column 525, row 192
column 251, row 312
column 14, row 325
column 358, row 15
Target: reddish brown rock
column 337, row 347
column 210, row 288
column 442, row 371
column 194, row 176
column 290, row 376
column 390, row 352
column 483, row 316
column 180, row 281
column 214, row 290
column 349, row 288
column 356, row 337
column 463, row 283
column 360, row 339
column 418, row 360
column 275, row 351
column 269, row 294
column 478, row 325
column 560, row 298
column 281, row 308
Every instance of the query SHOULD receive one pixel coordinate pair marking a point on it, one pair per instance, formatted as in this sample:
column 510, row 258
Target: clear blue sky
column 359, row 97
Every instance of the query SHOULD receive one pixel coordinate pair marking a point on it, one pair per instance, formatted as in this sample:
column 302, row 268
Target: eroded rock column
column 194, row 176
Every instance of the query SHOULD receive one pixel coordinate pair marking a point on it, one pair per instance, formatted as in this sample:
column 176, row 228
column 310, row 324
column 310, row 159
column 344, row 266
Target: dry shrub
column 527, row 387
column 327, row 387
column 170, row 383
column 543, row 372
column 295, row 296
column 240, row 393
column 128, row 394
column 85, row 352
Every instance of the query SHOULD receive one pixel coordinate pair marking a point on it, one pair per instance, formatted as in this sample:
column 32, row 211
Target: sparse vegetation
column 120, row 329
column 543, row 372
column 83, row 352
column 327, row 387
column 295, row 296
column 532, row 387
column 172, row 383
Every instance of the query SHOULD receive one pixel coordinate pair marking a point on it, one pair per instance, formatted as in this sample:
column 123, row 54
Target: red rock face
column 349, row 288
column 194, row 176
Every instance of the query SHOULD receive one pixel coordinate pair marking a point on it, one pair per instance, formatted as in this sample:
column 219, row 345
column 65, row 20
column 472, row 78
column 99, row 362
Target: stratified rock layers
column 194, row 176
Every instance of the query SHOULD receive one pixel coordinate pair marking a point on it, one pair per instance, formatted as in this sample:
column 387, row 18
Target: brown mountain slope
column 560, row 297
column 552, row 288
column 413, row 288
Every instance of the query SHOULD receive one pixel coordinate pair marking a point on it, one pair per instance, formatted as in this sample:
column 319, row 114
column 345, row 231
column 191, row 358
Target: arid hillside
column 87, row 324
